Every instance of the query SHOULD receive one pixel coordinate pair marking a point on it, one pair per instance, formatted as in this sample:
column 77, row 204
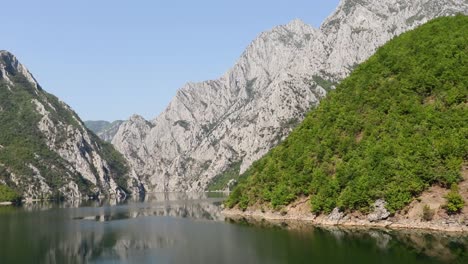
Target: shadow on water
column 189, row 228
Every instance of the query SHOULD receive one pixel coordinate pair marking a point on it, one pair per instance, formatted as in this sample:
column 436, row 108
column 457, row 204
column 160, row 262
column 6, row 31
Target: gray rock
column 335, row 215
column 380, row 212
column 210, row 126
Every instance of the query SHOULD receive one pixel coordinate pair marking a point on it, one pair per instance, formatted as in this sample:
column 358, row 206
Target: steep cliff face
column 210, row 126
column 45, row 150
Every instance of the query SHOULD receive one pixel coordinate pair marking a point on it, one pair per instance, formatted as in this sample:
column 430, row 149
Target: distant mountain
column 396, row 126
column 45, row 149
column 97, row 126
column 104, row 129
column 220, row 127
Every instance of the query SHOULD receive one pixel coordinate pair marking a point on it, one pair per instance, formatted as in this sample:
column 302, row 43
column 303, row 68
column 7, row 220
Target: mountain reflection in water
column 189, row 228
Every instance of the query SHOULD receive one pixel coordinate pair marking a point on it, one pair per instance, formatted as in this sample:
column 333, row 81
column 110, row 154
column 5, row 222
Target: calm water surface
column 182, row 228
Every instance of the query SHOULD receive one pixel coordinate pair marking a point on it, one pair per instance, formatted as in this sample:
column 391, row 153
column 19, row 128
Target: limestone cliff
column 283, row 73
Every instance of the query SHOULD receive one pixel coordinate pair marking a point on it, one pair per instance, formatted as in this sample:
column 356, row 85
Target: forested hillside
column 396, row 126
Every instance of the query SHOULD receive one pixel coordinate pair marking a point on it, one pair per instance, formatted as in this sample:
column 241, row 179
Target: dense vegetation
column 20, row 138
column 8, row 195
column 22, row 144
column 396, row 126
column 220, row 182
column 455, row 201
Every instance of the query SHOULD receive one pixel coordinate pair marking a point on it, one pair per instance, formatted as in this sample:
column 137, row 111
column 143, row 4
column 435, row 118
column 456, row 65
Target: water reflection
column 187, row 205
column 438, row 246
column 189, row 228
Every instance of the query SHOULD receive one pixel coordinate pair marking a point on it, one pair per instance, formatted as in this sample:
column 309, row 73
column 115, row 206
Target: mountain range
column 213, row 131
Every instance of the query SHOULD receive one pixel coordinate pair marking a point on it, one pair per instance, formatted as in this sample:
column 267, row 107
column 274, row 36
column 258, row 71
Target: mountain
column 395, row 127
column 220, row 127
column 45, row 149
column 104, row 129
column 97, row 126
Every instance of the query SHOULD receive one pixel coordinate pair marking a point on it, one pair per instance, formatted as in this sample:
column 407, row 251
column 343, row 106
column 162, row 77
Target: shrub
column 455, row 201
column 8, row 195
column 428, row 213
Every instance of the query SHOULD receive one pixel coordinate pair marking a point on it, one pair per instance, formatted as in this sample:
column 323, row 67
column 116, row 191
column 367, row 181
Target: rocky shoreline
column 411, row 217
column 300, row 212
column 255, row 216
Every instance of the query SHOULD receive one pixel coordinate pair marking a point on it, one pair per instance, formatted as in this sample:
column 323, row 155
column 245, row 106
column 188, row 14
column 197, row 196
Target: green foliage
column 220, row 181
column 396, row 126
column 455, row 201
column 117, row 163
column 8, row 195
column 325, row 84
column 428, row 213
column 23, row 145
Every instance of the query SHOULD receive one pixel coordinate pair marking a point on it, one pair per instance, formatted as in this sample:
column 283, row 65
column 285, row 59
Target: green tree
column 8, row 195
column 454, row 200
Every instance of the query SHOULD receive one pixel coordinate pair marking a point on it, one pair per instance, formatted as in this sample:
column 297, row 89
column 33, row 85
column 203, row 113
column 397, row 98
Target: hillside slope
column 396, row 126
column 45, row 150
column 217, row 128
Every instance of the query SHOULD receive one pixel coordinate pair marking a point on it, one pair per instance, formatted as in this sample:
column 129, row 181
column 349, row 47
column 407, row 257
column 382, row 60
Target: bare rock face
column 335, row 215
column 359, row 27
column 46, row 151
column 380, row 212
column 210, row 126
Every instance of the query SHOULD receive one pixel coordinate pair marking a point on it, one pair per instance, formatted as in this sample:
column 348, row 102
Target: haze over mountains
column 219, row 126
column 104, row 129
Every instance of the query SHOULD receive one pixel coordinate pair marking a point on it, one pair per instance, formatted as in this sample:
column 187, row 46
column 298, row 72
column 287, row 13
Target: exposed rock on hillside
column 210, row 126
column 45, row 149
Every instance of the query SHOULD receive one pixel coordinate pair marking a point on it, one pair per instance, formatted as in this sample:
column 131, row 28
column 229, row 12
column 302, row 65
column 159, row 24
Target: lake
column 189, row 228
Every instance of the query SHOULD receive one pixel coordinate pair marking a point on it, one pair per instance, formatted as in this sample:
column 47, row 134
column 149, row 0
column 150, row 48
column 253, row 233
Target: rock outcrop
column 380, row 212
column 46, row 152
column 210, row 126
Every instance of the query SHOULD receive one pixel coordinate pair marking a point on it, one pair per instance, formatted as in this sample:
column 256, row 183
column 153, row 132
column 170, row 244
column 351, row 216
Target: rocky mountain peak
column 137, row 118
column 211, row 127
column 9, row 65
column 298, row 26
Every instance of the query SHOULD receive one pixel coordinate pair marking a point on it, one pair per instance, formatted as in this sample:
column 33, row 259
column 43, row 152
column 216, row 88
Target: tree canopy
column 395, row 126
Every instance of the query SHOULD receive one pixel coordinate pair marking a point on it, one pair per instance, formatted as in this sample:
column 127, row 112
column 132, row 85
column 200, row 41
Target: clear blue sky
column 109, row 59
